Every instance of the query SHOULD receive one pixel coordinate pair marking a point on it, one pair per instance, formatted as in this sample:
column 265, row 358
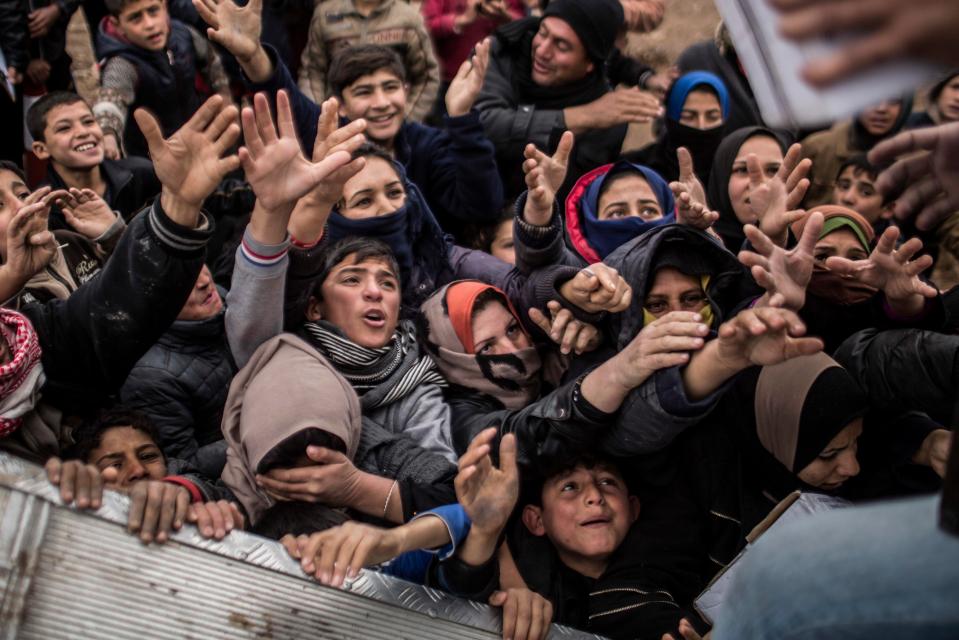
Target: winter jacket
column 181, row 384
column 131, row 183
column 14, row 34
column 76, row 262
column 91, row 340
column 512, row 121
column 165, row 82
column 454, row 166
column 337, row 25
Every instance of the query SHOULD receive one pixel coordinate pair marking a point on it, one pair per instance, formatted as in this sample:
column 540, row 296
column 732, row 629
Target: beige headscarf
column 286, row 387
column 513, row 379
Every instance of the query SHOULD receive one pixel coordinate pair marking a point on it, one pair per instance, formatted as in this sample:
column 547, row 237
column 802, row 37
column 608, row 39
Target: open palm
column 783, row 274
column 235, row 28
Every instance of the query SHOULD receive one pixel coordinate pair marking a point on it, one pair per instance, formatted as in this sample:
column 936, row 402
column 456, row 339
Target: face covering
column 605, row 236
column 391, row 229
column 701, row 143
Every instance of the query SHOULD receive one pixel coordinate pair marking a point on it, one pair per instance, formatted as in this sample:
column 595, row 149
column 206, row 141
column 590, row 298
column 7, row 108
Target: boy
column 454, row 167
column 855, row 187
column 151, row 61
column 339, row 24
column 66, row 133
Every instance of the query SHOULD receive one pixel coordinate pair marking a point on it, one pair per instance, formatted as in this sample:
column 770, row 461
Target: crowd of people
column 412, row 301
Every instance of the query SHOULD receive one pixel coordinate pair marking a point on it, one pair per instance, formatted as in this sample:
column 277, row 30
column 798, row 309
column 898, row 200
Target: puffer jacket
column 181, row 384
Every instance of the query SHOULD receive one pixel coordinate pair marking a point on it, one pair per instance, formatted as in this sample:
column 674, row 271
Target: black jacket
column 18, row 47
column 131, row 184
column 181, row 384
column 91, row 340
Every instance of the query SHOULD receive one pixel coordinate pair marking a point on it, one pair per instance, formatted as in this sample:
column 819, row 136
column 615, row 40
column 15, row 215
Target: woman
column 729, row 187
column 883, row 293
column 613, row 204
column 697, row 106
column 830, row 149
column 942, row 101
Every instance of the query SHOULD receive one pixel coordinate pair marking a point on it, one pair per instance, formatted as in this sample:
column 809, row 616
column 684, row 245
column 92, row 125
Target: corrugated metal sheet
column 69, row 574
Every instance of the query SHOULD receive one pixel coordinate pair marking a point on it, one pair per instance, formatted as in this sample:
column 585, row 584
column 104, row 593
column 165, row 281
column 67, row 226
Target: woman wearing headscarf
column 869, row 286
column 697, row 106
column 830, row 149
column 728, row 188
column 942, row 101
column 613, row 204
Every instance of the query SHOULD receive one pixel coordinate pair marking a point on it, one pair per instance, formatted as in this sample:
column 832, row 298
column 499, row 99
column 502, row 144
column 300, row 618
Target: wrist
column 908, row 306
column 535, row 215
column 268, row 226
column 258, row 67
column 180, row 211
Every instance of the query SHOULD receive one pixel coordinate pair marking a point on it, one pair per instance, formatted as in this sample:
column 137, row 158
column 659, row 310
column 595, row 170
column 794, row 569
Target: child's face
column 145, row 23
column 132, row 453
column 380, row 98
column 857, row 190
column 72, row 137
column 586, row 514
column 12, row 194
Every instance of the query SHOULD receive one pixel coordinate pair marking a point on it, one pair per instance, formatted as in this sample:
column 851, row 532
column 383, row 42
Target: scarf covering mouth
column 605, row 236
column 513, row 378
column 379, row 376
column 22, row 375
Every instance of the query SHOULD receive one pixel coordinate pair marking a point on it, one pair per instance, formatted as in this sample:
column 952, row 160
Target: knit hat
column 596, row 22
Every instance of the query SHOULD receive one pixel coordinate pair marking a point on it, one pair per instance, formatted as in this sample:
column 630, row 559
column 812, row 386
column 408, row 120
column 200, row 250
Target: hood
column 286, row 388
column 578, row 203
column 729, row 283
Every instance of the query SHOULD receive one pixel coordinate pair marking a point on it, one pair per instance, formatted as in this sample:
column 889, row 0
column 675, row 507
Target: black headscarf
column 729, row 228
column 864, row 141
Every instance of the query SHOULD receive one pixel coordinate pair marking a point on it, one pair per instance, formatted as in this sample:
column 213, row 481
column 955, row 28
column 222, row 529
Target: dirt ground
column 686, row 22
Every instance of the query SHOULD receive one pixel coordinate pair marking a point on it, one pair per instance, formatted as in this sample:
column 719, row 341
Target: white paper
column 773, row 67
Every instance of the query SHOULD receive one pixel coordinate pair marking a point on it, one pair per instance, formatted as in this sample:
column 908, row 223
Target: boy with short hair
column 455, row 166
column 855, row 187
column 340, row 24
column 151, row 61
column 66, row 133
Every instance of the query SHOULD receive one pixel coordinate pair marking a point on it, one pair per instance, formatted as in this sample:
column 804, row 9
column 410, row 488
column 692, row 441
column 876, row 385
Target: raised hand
column 565, row 330
column 274, row 165
column 87, row 212
column 544, row 177
column 30, row 244
column 773, row 201
column 235, row 28
column 783, row 274
column 893, row 271
column 763, row 336
column 596, row 288
column 688, row 179
column 191, row 163
column 468, row 82
column 925, row 182
column 661, row 344
column 487, row 493
column 871, row 32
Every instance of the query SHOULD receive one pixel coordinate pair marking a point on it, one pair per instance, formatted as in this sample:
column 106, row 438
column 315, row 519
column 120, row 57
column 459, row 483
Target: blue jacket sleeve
column 413, row 565
column 305, row 111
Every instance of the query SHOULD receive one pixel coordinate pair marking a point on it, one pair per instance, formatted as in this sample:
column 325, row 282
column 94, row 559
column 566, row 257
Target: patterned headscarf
column 21, row 376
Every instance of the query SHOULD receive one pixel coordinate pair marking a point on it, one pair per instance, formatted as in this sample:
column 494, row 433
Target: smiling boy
column 66, row 133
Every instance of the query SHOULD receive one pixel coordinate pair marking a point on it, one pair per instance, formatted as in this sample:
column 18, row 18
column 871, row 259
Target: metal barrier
column 78, row 574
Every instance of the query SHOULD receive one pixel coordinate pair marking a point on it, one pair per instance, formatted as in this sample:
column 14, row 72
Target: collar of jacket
column 114, row 174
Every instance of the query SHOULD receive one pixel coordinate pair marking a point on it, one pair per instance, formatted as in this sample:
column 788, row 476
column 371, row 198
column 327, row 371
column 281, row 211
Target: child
column 66, row 133
column 340, row 24
column 855, row 187
column 454, row 167
column 151, row 61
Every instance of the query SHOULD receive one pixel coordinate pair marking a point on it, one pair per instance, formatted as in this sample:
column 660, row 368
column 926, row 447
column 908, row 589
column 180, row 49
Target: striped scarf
column 379, row 376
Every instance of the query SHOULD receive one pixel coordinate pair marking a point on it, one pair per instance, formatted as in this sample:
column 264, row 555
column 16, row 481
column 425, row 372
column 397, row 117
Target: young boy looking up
column 453, row 166
column 151, row 61
column 66, row 133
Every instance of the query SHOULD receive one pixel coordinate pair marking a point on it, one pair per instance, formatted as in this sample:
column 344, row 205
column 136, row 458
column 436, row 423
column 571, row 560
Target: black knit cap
column 596, row 22
column 833, row 401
